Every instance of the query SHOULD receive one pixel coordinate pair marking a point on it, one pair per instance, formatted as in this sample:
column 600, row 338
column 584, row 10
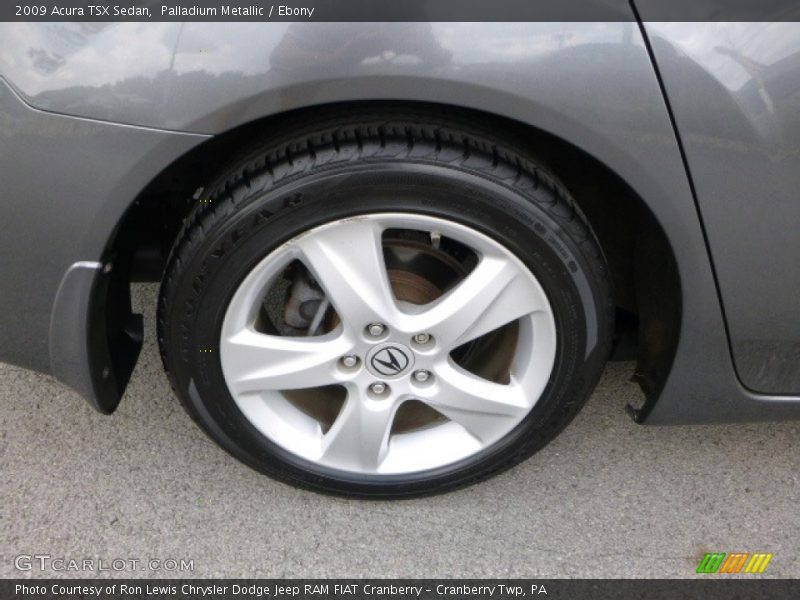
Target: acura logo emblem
column 389, row 361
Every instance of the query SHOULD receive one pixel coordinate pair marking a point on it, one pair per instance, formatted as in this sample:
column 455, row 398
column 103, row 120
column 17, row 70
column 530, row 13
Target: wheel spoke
column 359, row 438
column 481, row 406
column 495, row 293
column 347, row 261
column 259, row 362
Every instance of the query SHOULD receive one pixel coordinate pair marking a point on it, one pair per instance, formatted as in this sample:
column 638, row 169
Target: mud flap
column 95, row 338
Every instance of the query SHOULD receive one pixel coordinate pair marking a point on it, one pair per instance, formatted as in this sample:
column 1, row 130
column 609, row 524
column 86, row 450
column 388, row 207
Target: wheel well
column 644, row 274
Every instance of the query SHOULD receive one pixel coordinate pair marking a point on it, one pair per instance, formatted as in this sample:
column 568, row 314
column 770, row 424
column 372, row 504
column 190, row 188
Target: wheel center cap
column 388, row 361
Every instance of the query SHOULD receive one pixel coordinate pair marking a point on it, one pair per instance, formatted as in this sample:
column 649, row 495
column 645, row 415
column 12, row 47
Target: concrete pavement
column 608, row 498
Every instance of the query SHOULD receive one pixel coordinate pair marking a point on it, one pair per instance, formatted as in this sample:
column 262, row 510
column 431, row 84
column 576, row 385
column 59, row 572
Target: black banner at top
column 399, row 10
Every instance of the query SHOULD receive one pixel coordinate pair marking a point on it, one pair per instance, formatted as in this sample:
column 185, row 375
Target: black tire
column 343, row 165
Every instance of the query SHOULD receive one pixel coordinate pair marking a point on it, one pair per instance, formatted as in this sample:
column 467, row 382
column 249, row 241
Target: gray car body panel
column 735, row 92
column 66, row 182
column 591, row 84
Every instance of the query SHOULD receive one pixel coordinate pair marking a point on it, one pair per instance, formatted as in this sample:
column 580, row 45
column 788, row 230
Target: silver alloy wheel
column 346, row 258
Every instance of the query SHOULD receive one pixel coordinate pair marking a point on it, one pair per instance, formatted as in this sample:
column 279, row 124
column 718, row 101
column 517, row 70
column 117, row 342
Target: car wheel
column 384, row 305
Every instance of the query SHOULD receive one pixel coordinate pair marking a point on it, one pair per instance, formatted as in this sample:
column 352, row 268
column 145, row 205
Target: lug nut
column 376, row 329
column 422, row 338
column 422, row 375
column 378, row 388
column 349, row 361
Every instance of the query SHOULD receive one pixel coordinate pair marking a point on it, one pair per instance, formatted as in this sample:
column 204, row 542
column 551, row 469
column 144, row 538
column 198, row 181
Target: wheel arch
column 648, row 300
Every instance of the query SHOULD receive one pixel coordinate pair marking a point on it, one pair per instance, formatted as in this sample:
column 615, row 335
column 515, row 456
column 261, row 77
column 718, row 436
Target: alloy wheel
column 388, row 343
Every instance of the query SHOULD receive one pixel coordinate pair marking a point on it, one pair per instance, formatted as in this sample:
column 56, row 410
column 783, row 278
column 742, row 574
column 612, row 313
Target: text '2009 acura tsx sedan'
column 395, row 257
